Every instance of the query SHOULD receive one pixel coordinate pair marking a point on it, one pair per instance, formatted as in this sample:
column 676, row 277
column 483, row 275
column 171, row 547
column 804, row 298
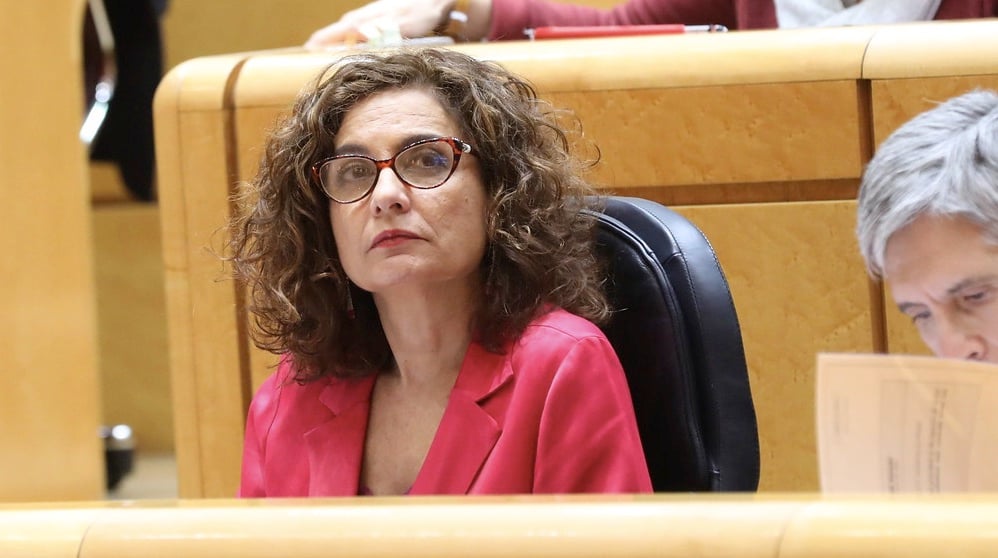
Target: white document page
column 893, row 423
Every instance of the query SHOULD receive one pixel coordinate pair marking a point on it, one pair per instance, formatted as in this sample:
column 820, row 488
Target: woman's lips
column 387, row 239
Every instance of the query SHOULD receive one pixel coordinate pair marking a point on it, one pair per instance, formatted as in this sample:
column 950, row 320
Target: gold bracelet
column 457, row 20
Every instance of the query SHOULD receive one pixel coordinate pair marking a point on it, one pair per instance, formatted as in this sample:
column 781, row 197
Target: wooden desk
column 759, row 137
column 705, row 526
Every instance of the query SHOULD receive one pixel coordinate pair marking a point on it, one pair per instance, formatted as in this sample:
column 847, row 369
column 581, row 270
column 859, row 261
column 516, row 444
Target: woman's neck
column 429, row 330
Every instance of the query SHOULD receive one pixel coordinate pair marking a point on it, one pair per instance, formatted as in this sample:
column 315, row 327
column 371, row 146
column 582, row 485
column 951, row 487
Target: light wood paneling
column 913, row 527
column 448, row 528
column 895, row 101
column 695, row 59
column 798, row 285
column 207, row 344
column 736, row 134
column 45, row 531
column 931, row 49
column 49, row 397
column 135, row 376
column 106, row 184
column 695, row 526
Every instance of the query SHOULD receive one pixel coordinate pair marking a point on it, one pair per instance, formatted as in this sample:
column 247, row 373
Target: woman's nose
column 389, row 192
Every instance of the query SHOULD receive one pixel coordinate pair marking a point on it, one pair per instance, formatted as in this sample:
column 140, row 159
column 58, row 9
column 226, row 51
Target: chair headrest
column 676, row 333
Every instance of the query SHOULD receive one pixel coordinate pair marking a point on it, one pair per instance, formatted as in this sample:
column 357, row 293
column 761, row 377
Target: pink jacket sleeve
column 588, row 439
column 263, row 409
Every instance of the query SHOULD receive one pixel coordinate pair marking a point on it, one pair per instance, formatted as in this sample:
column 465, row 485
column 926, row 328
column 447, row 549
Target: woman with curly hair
column 415, row 251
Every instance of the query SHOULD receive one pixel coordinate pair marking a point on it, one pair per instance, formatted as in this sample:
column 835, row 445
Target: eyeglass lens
column 424, row 165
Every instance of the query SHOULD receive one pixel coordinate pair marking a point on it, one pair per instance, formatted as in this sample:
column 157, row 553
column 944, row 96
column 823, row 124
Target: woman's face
column 398, row 236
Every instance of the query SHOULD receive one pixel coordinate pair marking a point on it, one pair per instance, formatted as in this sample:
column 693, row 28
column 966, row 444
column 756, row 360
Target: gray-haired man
column 928, row 224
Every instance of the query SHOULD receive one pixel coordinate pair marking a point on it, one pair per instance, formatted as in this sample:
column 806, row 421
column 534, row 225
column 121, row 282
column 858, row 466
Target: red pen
column 580, row 31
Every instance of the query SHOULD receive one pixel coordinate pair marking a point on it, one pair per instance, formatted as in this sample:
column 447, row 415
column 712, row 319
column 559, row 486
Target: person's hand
column 412, row 18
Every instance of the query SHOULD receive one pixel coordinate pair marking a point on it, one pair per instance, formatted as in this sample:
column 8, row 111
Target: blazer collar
column 336, row 447
column 464, row 439
column 467, row 431
column 482, row 373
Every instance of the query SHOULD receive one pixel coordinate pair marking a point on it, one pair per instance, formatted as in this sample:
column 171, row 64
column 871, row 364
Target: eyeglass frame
column 460, row 147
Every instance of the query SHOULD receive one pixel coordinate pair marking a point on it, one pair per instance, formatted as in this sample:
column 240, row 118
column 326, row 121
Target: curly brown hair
column 540, row 249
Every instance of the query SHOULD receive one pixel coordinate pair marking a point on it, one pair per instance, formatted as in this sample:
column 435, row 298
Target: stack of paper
column 890, row 423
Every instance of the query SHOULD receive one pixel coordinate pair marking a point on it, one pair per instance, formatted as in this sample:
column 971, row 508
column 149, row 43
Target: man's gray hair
column 943, row 162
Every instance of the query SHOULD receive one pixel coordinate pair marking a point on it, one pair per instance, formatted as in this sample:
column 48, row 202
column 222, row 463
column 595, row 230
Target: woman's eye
column 427, row 157
column 431, row 160
column 354, row 171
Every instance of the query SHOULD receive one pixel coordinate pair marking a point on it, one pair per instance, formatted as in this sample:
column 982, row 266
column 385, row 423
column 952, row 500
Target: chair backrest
column 677, row 336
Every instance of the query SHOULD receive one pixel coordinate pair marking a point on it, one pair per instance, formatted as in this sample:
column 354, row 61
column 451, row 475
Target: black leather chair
column 677, row 336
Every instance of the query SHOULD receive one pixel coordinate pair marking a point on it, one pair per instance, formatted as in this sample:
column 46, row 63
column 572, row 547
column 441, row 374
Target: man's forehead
column 938, row 256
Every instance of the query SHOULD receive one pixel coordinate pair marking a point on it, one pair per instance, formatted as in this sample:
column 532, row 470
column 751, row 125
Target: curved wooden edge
column 700, row 59
column 909, row 526
column 199, row 85
column 621, row 63
column 870, row 52
column 931, row 49
column 611, row 526
column 190, row 112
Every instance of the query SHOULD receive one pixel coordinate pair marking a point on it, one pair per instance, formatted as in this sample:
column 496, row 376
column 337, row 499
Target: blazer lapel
column 467, row 432
column 336, row 447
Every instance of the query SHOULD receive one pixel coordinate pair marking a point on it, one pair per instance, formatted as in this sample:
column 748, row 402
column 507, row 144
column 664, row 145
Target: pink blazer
column 551, row 415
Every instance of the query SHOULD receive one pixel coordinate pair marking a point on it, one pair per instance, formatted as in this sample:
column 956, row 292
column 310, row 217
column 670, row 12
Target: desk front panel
column 799, row 289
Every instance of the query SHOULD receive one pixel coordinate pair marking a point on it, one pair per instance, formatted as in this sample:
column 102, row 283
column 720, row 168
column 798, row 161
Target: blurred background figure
column 473, row 20
column 123, row 63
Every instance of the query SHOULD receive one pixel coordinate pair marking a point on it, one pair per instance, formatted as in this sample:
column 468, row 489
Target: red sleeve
column 588, row 438
column 511, row 17
column 967, row 9
column 263, row 409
